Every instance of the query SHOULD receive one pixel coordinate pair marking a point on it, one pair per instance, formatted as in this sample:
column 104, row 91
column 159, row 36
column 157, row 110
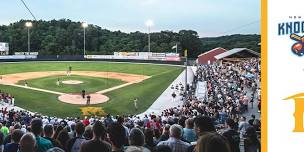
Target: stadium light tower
column 28, row 25
column 149, row 24
column 84, row 25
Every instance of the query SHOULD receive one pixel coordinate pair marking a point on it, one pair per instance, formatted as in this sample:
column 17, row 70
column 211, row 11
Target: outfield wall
column 81, row 58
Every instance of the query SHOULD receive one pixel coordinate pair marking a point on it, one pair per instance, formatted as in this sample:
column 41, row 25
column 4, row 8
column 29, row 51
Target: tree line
column 65, row 37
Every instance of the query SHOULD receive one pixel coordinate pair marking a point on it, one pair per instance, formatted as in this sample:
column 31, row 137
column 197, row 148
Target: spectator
column 212, row 142
column 203, row 124
column 149, row 141
column 63, row 138
column 1, row 139
column 97, row 144
column 232, row 136
column 13, row 146
column 48, row 133
column 72, row 133
column 42, row 143
column 28, row 143
column 117, row 137
column 120, row 120
column 165, row 134
column 251, row 120
column 251, row 142
column 243, row 126
column 175, row 142
column 163, row 148
column 153, row 124
column 188, row 132
column 55, row 149
column 8, row 138
column 57, row 131
column 108, row 121
column 4, row 129
column 137, row 140
column 75, row 143
column 86, row 121
column 88, row 133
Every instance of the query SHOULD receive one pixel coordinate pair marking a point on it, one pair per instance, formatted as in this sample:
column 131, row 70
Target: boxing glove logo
column 298, row 47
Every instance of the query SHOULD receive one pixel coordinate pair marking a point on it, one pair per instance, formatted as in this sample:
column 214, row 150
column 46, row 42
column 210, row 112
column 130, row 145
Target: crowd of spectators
column 7, row 98
column 215, row 124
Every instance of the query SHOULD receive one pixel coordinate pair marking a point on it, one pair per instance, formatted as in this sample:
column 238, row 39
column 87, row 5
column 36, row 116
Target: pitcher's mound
column 77, row 99
column 71, row 82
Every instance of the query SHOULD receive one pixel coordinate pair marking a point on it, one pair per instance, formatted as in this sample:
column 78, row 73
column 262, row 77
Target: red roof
column 210, row 55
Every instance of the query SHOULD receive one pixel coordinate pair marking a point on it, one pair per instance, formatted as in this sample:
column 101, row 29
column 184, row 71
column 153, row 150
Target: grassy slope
column 90, row 84
column 121, row 100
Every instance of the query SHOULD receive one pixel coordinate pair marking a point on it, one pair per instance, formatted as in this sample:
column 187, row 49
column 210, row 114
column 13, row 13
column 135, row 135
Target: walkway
column 165, row 100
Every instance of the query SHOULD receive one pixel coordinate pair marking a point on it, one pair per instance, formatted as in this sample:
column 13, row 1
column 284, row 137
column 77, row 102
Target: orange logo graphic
column 299, row 111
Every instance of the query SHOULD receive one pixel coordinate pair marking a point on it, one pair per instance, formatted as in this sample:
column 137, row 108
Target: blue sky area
column 208, row 17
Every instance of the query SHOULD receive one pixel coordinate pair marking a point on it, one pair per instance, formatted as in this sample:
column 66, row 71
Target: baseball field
column 47, row 88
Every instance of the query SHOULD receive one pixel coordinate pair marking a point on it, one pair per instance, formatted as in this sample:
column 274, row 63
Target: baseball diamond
column 112, row 86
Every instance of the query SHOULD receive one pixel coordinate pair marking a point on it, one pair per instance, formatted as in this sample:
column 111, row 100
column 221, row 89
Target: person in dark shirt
column 117, row 136
column 13, row 146
column 83, row 94
column 212, row 142
column 48, row 133
column 232, row 136
column 42, row 144
column 88, row 100
column 165, row 134
column 203, row 124
column 251, row 141
column 251, row 120
column 96, row 144
column 75, row 143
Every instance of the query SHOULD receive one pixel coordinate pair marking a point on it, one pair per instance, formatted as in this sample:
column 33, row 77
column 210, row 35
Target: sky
column 208, row 17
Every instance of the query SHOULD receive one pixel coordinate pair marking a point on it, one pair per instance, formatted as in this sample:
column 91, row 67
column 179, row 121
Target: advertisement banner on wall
column 172, row 58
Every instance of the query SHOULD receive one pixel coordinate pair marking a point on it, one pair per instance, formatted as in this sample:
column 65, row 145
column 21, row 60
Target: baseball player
column 58, row 82
column 88, row 100
column 83, row 94
column 135, row 104
column 70, row 70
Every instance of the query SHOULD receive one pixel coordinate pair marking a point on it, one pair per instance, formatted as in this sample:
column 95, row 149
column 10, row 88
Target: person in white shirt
column 13, row 101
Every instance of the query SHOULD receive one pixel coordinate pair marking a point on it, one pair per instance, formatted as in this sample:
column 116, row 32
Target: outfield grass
column 121, row 100
column 145, row 69
column 90, row 84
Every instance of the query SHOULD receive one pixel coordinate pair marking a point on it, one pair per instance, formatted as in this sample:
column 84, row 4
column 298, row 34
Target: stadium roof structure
column 238, row 53
column 215, row 49
column 209, row 56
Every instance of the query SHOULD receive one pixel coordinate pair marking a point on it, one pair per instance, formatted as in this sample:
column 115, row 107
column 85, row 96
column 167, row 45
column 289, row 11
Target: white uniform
column 135, row 104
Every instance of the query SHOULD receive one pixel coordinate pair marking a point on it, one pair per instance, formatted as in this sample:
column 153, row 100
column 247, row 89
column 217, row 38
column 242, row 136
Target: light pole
column 84, row 25
column 149, row 24
column 28, row 25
